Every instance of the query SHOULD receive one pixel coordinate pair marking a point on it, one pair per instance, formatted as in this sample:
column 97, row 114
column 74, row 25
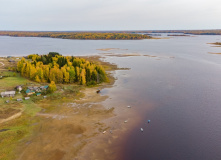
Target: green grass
column 8, row 73
column 30, row 107
column 18, row 129
column 12, row 82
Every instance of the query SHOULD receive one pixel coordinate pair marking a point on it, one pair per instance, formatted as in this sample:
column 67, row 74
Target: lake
column 174, row 82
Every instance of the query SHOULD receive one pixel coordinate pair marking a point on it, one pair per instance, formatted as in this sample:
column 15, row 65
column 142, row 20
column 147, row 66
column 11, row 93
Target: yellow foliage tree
column 37, row 79
column 82, row 77
column 52, row 87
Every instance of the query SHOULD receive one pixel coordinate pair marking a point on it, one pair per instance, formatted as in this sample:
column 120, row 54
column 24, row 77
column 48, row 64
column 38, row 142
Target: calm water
column 182, row 84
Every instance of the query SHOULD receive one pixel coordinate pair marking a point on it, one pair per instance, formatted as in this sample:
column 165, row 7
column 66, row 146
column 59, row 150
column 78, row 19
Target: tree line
column 61, row 69
column 77, row 35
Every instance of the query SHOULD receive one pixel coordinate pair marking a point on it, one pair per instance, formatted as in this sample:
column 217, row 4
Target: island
column 77, row 35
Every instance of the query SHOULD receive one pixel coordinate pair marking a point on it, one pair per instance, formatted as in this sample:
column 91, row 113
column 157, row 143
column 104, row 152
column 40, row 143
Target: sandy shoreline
column 90, row 127
column 80, row 129
column 76, row 131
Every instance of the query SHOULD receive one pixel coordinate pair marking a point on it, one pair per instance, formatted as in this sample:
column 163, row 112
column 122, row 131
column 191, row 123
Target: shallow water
column 182, row 84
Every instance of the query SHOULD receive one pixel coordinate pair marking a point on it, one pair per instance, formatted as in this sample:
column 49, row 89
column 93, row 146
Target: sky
column 93, row 15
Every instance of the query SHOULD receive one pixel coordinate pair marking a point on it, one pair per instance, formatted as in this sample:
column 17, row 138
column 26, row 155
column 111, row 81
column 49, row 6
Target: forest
column 217, row 43
column 77, row 35
column 61, row 69
column 195, row 32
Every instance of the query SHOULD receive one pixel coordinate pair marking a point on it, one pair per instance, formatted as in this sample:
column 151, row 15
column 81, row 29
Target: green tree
column 72, row 75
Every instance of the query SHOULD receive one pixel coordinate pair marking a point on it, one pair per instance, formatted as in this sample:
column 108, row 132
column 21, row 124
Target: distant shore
column 77, row 35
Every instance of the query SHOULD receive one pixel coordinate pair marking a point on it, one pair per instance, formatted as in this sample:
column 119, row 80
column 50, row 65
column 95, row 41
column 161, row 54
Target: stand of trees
column 60, row 69
column 76, row 35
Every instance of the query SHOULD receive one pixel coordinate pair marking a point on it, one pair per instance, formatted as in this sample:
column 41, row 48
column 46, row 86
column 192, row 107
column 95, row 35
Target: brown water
column 184, row 93
column 179, row 91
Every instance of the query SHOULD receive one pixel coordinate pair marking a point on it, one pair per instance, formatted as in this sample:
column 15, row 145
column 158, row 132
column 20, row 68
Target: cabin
column 36, row 89
column 26, row 98
column 44, row 87
column 8, row 94
column 19, row 88
column 29, row 92
column 10, row 60
column 38, row 94
column 19, row 99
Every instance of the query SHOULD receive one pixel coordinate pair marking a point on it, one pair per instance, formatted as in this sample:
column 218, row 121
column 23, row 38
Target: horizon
column 107, row 30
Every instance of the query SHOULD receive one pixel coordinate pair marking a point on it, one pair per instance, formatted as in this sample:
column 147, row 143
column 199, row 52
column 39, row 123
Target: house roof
column 28, row 91
column 38, row 93
column 7, row 92
column 46, row 86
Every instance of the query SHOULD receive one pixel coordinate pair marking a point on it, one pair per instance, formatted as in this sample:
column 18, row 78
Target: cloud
column 108, row 15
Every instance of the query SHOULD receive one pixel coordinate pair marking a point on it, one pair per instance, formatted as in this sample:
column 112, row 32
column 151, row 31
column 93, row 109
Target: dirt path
column 11, row 117
column 2, row 63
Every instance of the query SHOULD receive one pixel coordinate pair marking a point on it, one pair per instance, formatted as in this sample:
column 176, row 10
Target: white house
column 19, row 88
column 8, row 94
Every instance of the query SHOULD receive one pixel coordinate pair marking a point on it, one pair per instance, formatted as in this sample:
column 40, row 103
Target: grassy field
column 17, row 129
column 13, row 131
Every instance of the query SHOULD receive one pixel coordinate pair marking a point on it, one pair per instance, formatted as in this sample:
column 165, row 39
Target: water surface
column 182, row 83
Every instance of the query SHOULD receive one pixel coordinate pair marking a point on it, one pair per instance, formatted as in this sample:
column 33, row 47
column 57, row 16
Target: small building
column 19, row 88
column 8, row 94
column 10, row 60
column 35, row 88
column 44, row 87
column 29, row 92
column 19, row 99
column 38, row 94
column 7, row 101
column 26, row 98
column 31, row 88
column 45, row 96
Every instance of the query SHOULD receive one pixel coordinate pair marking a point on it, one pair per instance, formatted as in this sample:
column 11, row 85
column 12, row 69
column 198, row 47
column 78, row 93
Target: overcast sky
column 72, row 15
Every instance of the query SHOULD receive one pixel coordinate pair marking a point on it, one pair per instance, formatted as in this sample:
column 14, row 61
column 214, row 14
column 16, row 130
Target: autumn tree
column 60, row 69
column 82, row 77
column 52, row 87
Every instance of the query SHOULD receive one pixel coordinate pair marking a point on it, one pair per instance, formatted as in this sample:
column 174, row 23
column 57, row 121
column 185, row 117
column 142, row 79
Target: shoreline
column 80, row 123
